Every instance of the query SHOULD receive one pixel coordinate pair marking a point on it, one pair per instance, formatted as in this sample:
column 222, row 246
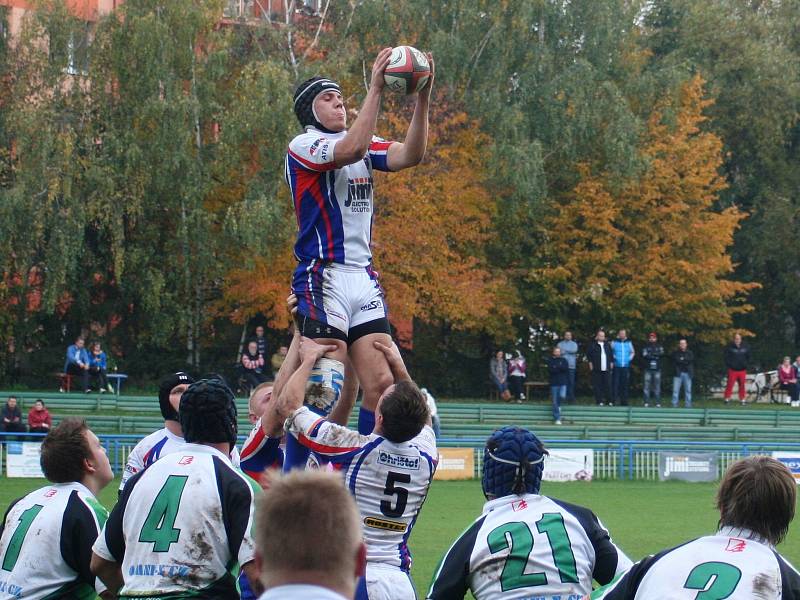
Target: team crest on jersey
column 399, row 461
column 519, row 505
column 50, row 493
column 359, row 193
column 186, row 460
column 736, row 545
column 384, row 524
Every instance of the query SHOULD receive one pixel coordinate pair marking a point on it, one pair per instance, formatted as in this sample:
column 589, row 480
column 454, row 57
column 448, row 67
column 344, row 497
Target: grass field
column 642, row 516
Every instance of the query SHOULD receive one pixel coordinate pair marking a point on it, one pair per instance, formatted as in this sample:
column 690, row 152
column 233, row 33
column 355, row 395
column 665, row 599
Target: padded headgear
column 208, row 413
column 165, row 387
column 304, row 97
column 513, row 462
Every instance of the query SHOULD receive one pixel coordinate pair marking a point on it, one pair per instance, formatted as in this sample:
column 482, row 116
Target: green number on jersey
column 159, row 526
column 518, row 536
column 723, row 578
column 15, row 545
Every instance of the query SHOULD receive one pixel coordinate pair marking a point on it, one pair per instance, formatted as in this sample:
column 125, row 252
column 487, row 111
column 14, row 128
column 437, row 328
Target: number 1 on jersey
column 15, row 545
column 159, row 526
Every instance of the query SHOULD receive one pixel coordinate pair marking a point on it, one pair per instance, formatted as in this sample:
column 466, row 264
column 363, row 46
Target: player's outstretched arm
column 411, row 152
column 395, row 360
column 109, row 573
column 353, row 146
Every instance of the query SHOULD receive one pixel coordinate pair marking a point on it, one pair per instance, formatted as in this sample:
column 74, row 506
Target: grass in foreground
column 643, row 517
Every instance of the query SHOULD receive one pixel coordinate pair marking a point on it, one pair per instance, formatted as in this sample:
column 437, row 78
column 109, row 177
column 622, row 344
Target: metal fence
column 613, row 459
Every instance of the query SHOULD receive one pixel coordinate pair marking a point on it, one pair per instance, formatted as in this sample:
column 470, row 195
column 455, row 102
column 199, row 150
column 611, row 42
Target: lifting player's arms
column 46, row 537
column 525, row 545
column 388, row 472
column 756, row 500
column 329, row 171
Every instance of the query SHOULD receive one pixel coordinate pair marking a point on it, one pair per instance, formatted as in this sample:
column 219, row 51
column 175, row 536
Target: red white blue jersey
column 333, row 205
column 260, row 452
column 389, row 481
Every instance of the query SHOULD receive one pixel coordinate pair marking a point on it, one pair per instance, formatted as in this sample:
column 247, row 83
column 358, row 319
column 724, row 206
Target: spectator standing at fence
column 787, row 376
column 652, row 354
column 683, row 359
column 98, row 365
column 77, row 363
column 11, row 417
column 569, row 350
column 737, row 355
column 39, row 419
column 624, row 354
column 498, row 371
column 601, row 363
column 516, row 377
column 558, row 372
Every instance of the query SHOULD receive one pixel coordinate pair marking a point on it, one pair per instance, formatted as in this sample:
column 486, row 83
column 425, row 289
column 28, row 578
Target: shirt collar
column 741, row 532
column 333, row 136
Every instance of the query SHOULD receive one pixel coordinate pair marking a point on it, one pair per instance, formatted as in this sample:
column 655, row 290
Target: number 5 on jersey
column 159, row 526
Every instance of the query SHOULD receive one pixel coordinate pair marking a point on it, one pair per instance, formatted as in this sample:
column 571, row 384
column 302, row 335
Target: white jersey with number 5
column 182, row 526
column 389, row 481
column 529, row 546
column 733, row 564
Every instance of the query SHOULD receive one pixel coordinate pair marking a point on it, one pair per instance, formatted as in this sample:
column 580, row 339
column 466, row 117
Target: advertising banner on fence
column 791, row 460
column 455, row 463
column 22, row 459
column 687, row 466
column 565, row 464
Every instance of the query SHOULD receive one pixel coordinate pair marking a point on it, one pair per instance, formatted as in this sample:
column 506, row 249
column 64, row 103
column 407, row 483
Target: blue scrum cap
column 513, row 462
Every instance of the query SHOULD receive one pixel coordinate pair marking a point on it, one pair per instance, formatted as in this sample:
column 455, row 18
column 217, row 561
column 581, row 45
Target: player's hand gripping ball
column 408, row 70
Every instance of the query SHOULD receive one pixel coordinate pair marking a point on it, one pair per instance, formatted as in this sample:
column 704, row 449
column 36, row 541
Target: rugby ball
column 408, row 71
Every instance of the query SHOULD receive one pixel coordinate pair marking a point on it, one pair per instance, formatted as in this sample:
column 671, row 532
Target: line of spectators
column 39, row 419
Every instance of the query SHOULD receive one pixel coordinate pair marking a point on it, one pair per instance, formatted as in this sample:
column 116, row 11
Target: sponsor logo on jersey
column 11, row 588
column 384, row 524
column 400, row 461
column 50, row 493
column 162, row 570
column 736, row 545
column 518, row 506
column 186, row 460
column 131, row 469
column 372, row 305
column 359, row 194
column 315, row 146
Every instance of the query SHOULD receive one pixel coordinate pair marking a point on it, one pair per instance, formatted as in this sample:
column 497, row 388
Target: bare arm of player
column 109, row 573
column 411, row 152
column 396, row 364
column 341, row 412
column 353, row 146
column 294, row 392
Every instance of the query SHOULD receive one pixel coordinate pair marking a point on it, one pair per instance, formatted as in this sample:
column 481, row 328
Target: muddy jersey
column 389, row 481
column 529, row 546
column 46, row 542
column 733, row 564
column 333, row 205
column 182, row 527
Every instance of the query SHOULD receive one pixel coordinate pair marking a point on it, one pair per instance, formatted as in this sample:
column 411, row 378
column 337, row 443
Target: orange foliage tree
column 651, row 252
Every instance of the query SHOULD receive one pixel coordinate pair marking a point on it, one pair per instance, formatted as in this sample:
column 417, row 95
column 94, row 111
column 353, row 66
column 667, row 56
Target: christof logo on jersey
column 736, row 545
column 384, row 524
column 519, row 505
column 399, row 461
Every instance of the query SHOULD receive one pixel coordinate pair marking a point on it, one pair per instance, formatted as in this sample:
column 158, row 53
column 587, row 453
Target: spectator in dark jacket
column 683, row 359
column 98, row 364
column 11, row 417
column 737, row 355
column 558, row 370
column 601, row 362
column 77, row 363
column 39, row 419
column 498, row 372
column 652, row 354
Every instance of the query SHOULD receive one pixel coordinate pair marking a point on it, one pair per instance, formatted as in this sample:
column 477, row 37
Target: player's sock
column 366, row 421
column 296, row 455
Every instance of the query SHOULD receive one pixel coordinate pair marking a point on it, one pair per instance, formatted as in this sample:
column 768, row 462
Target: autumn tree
column 651, row 251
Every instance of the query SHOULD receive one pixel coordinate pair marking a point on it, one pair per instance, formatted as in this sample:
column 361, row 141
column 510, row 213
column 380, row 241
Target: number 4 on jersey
column 159, row 526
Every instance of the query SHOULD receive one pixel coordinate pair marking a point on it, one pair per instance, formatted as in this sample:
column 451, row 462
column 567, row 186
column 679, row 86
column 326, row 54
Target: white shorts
column 338, row 296
column 384, row 582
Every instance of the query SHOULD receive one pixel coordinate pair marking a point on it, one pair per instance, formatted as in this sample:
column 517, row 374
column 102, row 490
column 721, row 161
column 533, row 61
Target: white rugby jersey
column 151, row 448
column 529, row 546
column 182, row 526
column 333, row 205
column 389, row 481
column 733, row 564
column 46, row 542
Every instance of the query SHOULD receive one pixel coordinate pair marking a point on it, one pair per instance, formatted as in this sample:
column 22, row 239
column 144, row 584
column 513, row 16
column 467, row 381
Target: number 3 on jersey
column 159, row 526
column 518, row 537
